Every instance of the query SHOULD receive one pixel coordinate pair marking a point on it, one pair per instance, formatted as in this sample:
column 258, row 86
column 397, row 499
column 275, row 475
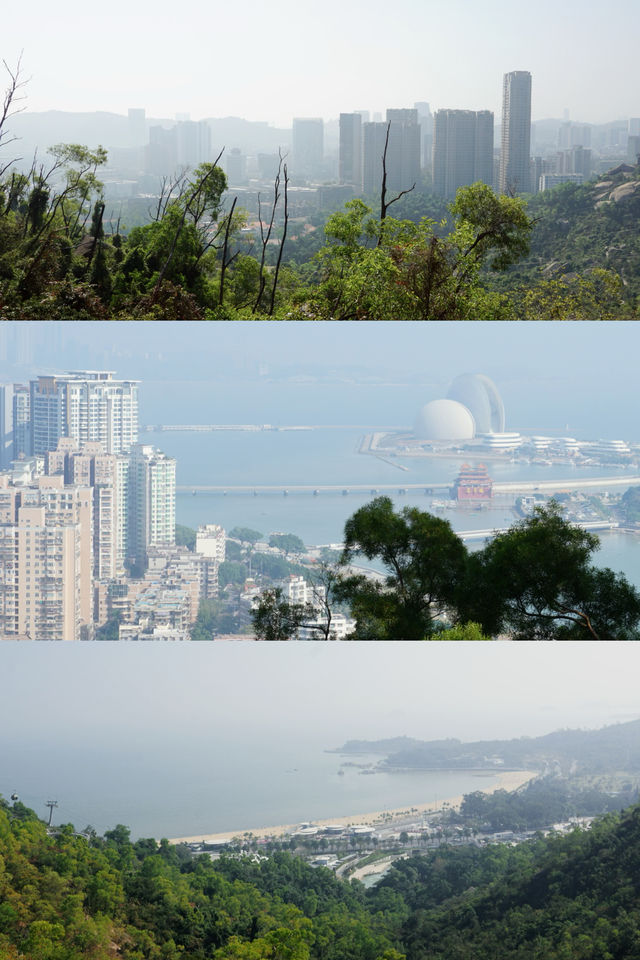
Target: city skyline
column 453, row 56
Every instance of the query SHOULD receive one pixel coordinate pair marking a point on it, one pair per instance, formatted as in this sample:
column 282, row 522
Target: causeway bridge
column 509, row 488
column 256, row 427
column 593, row 525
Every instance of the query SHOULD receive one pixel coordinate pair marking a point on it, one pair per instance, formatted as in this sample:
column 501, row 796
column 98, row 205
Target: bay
column 330, row 456
column 211, row 785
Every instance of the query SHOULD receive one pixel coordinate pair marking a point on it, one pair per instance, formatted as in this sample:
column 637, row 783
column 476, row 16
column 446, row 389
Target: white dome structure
column 480, row 395
column 445, row 420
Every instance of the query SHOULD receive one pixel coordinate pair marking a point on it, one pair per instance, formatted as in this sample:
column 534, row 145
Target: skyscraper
column 516, row 132
column 350, row 160
column 462, row 150
column 403, row 155
column 7, row 441
column 403, row 152
column 374, row 136
column 307, row 147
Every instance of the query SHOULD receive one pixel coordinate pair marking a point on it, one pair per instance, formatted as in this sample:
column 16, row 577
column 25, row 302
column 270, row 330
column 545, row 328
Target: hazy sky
column 588, row 352
column 273, row 61
column 324, row 692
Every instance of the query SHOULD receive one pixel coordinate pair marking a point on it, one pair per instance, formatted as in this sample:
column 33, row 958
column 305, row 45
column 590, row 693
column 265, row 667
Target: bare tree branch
column 282, row 241
column 384, row 203
column 225, row 248
column 265, row 239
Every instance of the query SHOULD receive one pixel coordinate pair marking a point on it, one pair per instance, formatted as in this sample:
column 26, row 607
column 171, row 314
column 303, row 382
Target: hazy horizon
column 179, row 739
column 349, row 56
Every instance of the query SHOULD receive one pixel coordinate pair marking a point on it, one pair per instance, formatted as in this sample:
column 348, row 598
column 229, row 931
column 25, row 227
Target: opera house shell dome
column 444, row 420
column 480, row 395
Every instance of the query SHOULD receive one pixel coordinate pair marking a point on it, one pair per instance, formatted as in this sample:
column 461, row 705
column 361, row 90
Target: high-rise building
column 574, row 135
column 45, row 560
column 403, row 153
column 91, row 467
column 575, row 160
column 236, row 167
column 425, row 119
column 374, row 138
column 350, row 157
column 307, row 147
column 462, row 150
column 161, row 152
column 152, row 500
column 193, row 143
column 86, row 405
column 6, row 425
column 21, row 421
column 516, row 132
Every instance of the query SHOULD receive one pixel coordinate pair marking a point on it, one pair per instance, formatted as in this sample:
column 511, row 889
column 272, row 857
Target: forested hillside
column 579, row 230
column 69, row 896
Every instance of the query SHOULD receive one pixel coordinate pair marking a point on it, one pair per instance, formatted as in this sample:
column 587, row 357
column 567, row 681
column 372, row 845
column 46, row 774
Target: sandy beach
column 509, row 780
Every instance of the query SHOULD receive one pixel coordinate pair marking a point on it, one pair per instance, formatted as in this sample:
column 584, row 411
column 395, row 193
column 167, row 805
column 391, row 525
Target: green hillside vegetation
column 565, row 898
column 544, row 801
column 66, row 896
column 69, row 896
column 580, row 231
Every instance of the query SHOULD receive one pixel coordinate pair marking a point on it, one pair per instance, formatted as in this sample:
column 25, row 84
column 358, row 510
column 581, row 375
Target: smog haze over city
column 273, row 62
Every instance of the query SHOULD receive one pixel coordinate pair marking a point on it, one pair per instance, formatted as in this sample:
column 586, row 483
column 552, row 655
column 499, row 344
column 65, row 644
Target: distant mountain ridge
column 112, row 130
column 615, row 747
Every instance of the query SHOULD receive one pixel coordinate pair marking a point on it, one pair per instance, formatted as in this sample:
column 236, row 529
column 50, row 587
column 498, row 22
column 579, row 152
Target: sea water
column 331, row 456
column 214, row 784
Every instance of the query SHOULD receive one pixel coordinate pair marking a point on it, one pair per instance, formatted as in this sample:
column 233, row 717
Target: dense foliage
column 533, row 582
column 69, row 896
column 566, row 898
column 585, row 248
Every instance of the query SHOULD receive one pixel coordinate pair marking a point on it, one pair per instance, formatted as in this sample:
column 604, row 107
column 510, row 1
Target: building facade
column 46, row 585
column 85, row 405
column 307, row 147
column 350, row 156
column 462, row 150
column 151, row 500
column 516, row 133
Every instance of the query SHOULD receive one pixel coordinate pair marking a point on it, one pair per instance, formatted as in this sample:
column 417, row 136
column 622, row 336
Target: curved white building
column 445, row 420
column 480, row 395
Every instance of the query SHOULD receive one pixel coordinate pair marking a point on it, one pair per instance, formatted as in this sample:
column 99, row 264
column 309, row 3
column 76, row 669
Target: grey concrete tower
column 516, row 132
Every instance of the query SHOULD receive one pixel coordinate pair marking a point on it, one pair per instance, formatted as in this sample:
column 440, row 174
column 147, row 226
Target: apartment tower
column 87, row 405
column 462, row 150
column 350, row 157
column 45, row 560
column 516, row 133
column 152, row 500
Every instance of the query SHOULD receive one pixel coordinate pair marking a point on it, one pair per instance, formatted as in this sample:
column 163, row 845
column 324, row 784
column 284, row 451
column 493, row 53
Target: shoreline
column 508, row 780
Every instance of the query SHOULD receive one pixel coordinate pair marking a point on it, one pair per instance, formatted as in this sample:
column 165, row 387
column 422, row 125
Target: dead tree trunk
column 225, row 250
column 264, row 238
column 284, row 237
column 384, row 203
